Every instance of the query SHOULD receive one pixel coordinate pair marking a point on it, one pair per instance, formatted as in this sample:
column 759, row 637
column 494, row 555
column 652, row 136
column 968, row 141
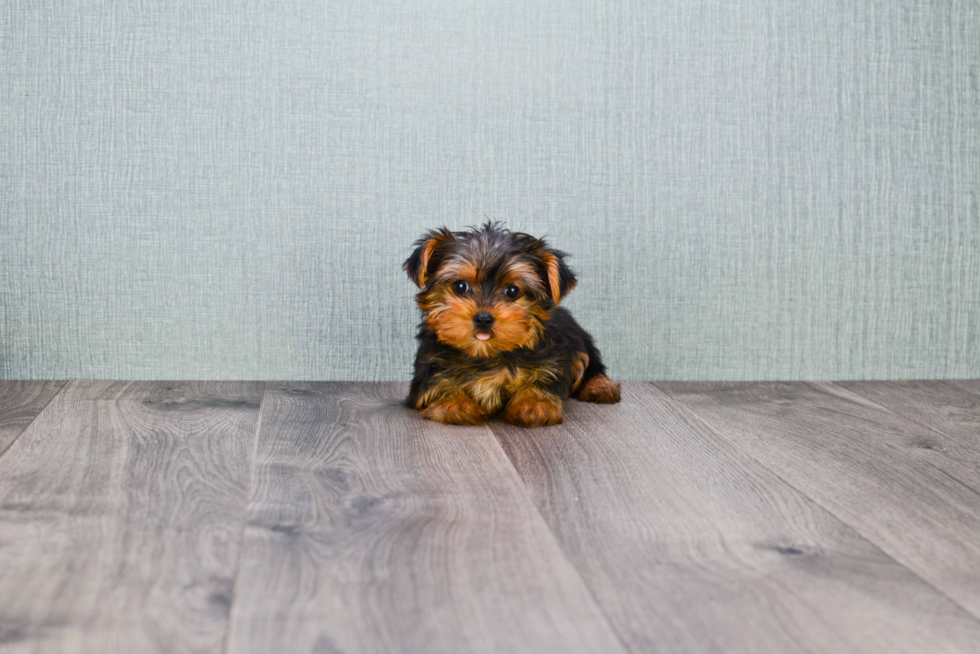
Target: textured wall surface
column 760, row 189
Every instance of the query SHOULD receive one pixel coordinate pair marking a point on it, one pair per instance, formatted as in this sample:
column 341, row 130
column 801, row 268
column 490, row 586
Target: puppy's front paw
column 535, row 409
column 458, row 410
column 601, row 390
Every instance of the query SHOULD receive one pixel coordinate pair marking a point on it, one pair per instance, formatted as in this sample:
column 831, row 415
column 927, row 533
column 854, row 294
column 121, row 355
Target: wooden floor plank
column 945, row 406
column 20, row 402
column 371, row 530
column 908, row 489
column 971, row 385
column 121, row 509
column 691, row 546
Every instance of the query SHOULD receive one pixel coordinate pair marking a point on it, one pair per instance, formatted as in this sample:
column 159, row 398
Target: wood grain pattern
column 371, row 530
column 20, row 402
column 691, row 546
column 945, row 406
column 120, row 514
column 970, row 385
column 908, row 489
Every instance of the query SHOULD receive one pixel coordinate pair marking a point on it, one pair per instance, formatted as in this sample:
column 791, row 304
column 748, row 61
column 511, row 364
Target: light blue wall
column 756, row 189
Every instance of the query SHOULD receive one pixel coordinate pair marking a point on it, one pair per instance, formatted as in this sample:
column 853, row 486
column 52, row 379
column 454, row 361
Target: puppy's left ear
column 429, row 251
column 558, row 277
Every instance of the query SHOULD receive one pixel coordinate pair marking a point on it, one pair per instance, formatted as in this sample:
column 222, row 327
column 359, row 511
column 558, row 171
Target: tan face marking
column 449, row 314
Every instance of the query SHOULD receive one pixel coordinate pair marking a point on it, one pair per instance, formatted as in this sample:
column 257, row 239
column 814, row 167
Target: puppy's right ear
column 429, row 251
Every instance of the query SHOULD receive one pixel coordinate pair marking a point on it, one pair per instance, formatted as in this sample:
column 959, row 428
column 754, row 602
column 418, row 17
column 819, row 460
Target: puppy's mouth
column 483, row 336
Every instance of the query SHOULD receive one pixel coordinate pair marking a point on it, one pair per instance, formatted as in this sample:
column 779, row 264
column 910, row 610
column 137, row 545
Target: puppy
column 493, row 339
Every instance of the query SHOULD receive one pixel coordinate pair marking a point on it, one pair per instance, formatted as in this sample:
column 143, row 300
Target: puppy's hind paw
column 600, row 389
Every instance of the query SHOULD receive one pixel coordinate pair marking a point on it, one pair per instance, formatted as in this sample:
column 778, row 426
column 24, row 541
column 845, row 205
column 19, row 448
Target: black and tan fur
column 536, row 355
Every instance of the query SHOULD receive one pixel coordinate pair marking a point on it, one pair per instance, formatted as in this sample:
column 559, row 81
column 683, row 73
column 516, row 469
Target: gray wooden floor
column 325, row 517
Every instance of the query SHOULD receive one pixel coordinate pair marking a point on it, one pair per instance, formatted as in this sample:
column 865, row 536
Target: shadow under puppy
column 493, row 339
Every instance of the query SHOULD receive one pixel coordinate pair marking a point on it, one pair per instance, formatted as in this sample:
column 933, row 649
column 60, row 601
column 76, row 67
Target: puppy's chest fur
column 491, row 389
column 492, row 383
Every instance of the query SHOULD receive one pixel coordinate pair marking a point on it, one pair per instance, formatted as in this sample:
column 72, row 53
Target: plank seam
column 966, row 389
column 34, row 419
column 901, row 416
column 225, row 642
column 915, row 422
column 855, row 528
column 558, row 544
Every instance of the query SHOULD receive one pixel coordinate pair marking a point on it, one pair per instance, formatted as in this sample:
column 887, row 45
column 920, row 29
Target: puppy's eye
column 512, row 291
column 461, row 287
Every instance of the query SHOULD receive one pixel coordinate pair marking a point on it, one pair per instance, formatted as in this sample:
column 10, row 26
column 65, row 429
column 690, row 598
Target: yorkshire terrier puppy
column 493, row 339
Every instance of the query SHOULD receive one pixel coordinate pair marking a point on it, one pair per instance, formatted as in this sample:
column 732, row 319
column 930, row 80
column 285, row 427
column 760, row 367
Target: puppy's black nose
column 483, row 320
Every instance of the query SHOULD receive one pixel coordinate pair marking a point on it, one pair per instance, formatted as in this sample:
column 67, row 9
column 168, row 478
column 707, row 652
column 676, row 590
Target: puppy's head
column 488, row 290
